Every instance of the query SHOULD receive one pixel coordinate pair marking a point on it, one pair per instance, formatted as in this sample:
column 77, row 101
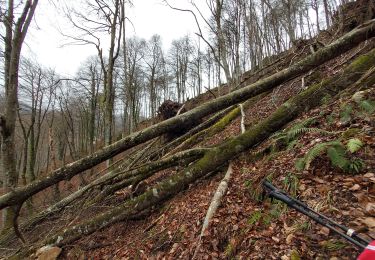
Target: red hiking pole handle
column 368, row 253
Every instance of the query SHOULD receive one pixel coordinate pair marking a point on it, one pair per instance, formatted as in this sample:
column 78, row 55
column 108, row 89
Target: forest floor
column 246, row 227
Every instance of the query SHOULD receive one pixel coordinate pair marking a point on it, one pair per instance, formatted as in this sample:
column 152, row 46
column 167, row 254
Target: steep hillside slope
column 152, row 203
column 247, row 228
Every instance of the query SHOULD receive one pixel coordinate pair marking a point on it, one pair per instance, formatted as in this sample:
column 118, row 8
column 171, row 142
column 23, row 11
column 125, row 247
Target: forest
column 151, row 151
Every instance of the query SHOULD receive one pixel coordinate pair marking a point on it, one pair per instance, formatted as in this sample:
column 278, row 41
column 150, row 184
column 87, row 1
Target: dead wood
column 220, row 192
column 123, row 179
column 218, row 126
column 206, row 124
column 332, row 50
column 137, row 175
column 221, row 154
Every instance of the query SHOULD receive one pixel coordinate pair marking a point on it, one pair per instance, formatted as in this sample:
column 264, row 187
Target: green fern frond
column 317, row 150
column 291, row 183
column 355, row 166
column 293, row 133
column 351, row 132
column 354, row 145
column 334, row 245
column 337, row 153
column 288, row 136
column 254, row 218
column 277, row 135
column 300, row 164
column 367, row 106
column 305, row 123
column 337, row 156
column 292, row 144
column 346, row 113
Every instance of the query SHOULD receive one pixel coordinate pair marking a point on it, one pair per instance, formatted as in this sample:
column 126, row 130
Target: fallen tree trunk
column 19, row 195
column 137, row 175
column 129, row 176
column 214, row 205
column 220, row 192
column 221, row 154
column 218, row 126
column 206, row 124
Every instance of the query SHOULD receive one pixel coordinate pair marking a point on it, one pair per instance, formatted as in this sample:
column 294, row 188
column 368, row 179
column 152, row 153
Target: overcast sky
column 44, row 42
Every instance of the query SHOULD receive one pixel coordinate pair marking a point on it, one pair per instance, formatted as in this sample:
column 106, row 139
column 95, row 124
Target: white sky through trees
column 47, row 45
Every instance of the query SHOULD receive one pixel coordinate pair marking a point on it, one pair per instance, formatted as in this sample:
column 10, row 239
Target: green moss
column 363, row 61
column 221, row 154
column 222, row 123
column 294, row 255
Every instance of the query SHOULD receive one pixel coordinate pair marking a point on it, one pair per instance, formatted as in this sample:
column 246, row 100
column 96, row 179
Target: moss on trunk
column 331, row 51
column 221, row 154
column 218, row 126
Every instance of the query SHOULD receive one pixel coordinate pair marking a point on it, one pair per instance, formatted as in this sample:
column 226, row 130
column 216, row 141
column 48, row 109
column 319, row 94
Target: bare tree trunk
column 326, row 12
column 15, row 35
column 220, row 154
column 191, row 117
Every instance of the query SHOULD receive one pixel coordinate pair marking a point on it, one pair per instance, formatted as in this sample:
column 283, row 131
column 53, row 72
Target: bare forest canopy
column 248, row 35
column 135, row 117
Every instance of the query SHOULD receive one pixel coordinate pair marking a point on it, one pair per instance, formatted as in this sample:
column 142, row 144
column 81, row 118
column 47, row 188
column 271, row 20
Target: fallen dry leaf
column 370, row 222
column 370, row 208
column 289, row 239
column 355, row 187
column 324, row 231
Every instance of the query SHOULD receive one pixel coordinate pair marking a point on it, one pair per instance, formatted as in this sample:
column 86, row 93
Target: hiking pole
column 350, row 235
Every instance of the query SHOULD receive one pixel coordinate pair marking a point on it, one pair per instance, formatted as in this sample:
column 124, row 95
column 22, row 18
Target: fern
column 274, row 213
column 346, row 113
column 304, row 226
column 326, row 99
column 254, row 218
column 355, row 166
column 292, row 144
column 291, row 183
column 293, row 133
column 351, row 132
column 334, row 245
column 367, row 106
column 300, row 164
column 330, row 119
column 337, row 156
column 254, row 192
column 336, row 152
column 317, row 150
column 303, row 124
column 354, row 145
column 288, row 137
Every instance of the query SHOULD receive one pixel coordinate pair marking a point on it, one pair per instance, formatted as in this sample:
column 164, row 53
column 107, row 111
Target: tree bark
column 14, row 37
column 220, row 155
column 329, row 52
column 217, row 127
